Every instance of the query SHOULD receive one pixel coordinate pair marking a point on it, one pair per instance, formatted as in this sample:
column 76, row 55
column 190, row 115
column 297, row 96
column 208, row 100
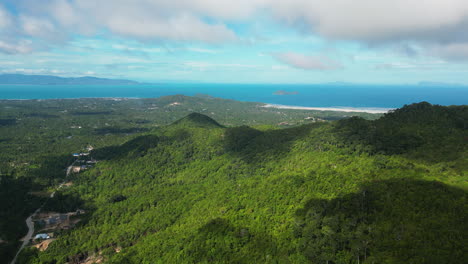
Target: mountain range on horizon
column 56, row 80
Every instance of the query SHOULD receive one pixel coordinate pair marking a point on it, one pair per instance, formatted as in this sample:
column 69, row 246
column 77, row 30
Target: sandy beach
column 337, row 109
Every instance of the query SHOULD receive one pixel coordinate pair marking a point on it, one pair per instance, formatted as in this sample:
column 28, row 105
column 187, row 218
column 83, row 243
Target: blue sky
column 243, row 41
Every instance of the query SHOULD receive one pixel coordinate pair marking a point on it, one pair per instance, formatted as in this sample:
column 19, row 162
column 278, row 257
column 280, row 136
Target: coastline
column 369, row 110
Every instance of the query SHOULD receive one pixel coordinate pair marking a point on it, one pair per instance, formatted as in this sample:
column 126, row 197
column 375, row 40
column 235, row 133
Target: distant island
column 281, row 92
column 55, row 80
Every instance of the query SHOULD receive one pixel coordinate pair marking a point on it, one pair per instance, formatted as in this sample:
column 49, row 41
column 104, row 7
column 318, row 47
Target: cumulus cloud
column 306, row 62
column 14, row 47
column 6, row 20
column 378, row 20
column 180, row 28
column 39, row 27
column 374, row 22
column 142, row 19
column 53, row 21
column 424, row 23
column 17, row 33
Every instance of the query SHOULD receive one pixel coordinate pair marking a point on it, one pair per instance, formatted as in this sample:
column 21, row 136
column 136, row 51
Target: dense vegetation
column 392, row 190
column 38, row 136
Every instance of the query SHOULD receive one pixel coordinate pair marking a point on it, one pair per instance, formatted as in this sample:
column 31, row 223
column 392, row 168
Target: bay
column 328, row 95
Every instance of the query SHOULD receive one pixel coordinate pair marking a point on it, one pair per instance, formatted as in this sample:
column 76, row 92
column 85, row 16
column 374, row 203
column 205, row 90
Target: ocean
column 356, row 96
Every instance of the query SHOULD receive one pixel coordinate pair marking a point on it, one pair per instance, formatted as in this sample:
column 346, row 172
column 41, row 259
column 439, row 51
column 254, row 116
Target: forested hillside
column 37, row 138
column 392, row 190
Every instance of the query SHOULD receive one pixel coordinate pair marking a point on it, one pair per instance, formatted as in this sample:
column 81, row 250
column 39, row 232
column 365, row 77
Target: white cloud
column 307, row 62
column 203, row 65
column 422, row 64
column 136, row 49
column 33, row 71
column 422, row 22
column 378, row 20
column 454, row 52
column 17, row 33
column 142, row 19
column 9, row 63
column 22, row 46
column 89, row 73
column 6, row 20
column 200, row 50
column 394, row 65
column 38, row 27
column 44, row 71
column 180, row 28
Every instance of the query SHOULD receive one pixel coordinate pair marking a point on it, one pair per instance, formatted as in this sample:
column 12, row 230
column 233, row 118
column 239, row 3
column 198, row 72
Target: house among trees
column 80, row 212
column 54, row 219
column 42, row 236
column 80, row 154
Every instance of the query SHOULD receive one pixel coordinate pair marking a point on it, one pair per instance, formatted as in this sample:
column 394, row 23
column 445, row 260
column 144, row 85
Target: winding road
column 29, row 221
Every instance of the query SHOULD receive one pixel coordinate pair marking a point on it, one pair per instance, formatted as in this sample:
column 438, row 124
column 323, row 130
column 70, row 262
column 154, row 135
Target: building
column 42, row 236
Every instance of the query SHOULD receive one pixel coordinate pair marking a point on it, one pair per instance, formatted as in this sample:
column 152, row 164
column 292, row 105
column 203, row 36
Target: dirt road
column 30, row 223
column 29, row 235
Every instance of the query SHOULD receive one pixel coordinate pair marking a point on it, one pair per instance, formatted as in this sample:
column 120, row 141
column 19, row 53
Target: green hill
column 38, row 136
column 351, row 191
column 197, row 120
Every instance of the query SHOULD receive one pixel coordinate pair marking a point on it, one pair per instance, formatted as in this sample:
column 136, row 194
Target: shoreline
column 370, row 110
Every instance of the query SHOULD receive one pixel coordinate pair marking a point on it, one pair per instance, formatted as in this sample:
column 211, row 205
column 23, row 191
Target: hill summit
column 197, row 120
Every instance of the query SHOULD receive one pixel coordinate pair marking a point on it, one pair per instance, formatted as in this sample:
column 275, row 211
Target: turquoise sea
column 375, row 96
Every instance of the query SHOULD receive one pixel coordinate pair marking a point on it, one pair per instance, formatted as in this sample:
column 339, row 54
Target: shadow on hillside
column 254, row 146
column 391, row 221
column 197, row 120
column 5, row 140
column 118, row 130
column 219, row 241
column 136, row 147
column 51, row 169
column 426, row 132
column 15, row 206
column 7, row 122
column 42, row 115
column 63, row 203
column 90, row 113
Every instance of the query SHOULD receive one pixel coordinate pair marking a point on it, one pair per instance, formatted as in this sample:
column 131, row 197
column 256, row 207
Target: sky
column 241, row 41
